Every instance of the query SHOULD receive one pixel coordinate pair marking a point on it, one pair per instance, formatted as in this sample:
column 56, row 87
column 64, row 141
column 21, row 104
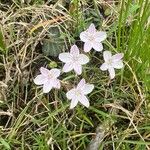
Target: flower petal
column 84, row 101
column 83, row 59
column 40, row 79
column 47, row 87
column 77, row 69
column 117, row 57
column 84, row 36
column 74, row 50
column 100, row 36
column 91, row 29
column 81, row 84
column 97, row 46
column 87, row 46
column 65, row 57
column 104, row 67
column 107, row 55
column 55, row 72
column 56, row 84
column 70, row 94
column 67, row 67
column 88, row 88
column 111, row 73
column 44, row 71
column 74, row 102
column 118, row 64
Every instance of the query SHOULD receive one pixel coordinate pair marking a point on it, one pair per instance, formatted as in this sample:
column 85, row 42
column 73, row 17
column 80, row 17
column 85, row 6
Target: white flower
column 48, row 78
column 92, row 38
column 79, row 93
column 74, row 60
column 112, row 62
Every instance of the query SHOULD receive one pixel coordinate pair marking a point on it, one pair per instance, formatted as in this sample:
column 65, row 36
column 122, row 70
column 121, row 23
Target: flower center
column 78, row 93
column 75, row 58
column 109, row 62
column 50, row 76
column 91, row 38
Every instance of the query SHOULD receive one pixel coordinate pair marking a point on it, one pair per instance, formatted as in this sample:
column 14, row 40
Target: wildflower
column 48, row 78
column 92, row 38
column 112, row 62
column 74, row 60
column 79, row 93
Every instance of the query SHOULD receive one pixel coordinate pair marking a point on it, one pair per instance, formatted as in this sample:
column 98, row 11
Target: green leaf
column 54, row 45
column 88, row 120
column 2, row 44
column 4, row 143
column 133, row 8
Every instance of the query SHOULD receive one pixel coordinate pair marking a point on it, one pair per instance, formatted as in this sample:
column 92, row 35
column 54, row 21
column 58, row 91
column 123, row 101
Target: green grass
column 119, row 108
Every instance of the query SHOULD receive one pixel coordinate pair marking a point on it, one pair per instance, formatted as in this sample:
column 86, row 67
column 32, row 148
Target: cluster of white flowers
column 74, row 60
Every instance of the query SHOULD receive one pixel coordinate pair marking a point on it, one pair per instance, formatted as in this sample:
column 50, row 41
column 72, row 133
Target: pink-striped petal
column 107, row 55
column 74, row 102
column 56, row 84
column 83, row 59
column 100, row 36
column 104, row 67
column 40, row 79
column 88, row 88
column 81, row 84
column 65, row 57
column 84, row 36
column 118, row 64
column 87, row 46
column 70, row 94
column 67, row 67
column 74, row 50
column 44, row 71
column 97, row 46
column 84, row 101
column 55, row 72
column 91, row 29
column 117, row 57
column 47, row 87
column 78, row 69
column 111, row 73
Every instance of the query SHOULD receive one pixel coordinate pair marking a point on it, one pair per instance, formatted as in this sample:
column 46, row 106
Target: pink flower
column 74, row 60
column 112, row 62
column 48, row 78
column 79, row 93
column 92, row 38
